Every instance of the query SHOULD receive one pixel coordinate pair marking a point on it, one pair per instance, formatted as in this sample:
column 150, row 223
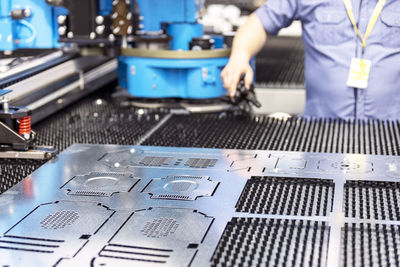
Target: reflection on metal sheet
column 130, row 158
column 181, row 187
column 159, row 235
column 52, row 231
column 345, row 165
column 291, row 163
column 393, row 169
column 102, row 184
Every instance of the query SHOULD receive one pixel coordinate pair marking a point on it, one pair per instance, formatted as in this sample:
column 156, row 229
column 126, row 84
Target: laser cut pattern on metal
column 159, row 235
column 52, row 231
column 102, row 184
column 129, row 159
column 311, row 208
column 59, row 220
column 183, row 187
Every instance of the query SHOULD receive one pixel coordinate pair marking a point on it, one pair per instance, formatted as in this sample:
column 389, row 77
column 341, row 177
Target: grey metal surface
column 130, row 227
column 53, row 89
column 39, row 153
column 181, row 187
column 52, row 231
column 29, row 64
column 158, row 235
column 99, row 71
column 100, row 184
column 29, row 86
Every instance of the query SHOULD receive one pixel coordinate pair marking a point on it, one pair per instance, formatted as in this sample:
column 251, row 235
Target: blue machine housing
column 177, row 78
column 182, row 34
column 105, row 7
column 156, row 12
column 188, row 78
column 39, row 30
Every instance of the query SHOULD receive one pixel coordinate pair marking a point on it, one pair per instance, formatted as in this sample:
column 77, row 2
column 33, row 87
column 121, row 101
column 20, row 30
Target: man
column 352, row 54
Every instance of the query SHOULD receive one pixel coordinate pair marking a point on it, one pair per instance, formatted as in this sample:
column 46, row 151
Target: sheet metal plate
column 126, row 225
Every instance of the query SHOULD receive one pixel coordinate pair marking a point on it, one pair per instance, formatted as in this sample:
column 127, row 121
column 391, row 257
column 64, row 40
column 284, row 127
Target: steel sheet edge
column 94, row 203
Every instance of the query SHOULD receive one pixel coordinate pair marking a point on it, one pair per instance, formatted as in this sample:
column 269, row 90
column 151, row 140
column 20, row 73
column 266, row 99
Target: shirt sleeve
column 277, row 14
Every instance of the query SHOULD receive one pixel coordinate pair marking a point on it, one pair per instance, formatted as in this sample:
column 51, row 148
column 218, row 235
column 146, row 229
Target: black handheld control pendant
column 244, row 98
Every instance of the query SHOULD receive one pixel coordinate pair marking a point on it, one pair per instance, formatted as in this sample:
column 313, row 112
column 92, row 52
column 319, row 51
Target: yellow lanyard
column 372, row 21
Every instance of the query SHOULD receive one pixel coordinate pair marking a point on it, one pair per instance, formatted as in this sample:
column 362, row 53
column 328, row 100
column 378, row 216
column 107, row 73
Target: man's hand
column 249, row 39
column 232, row 73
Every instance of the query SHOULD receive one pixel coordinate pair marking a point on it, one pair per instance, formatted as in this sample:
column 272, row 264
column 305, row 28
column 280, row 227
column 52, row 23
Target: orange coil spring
column 24, row 125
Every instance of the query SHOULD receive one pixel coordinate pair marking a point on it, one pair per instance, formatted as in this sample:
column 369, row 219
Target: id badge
column 359, row 73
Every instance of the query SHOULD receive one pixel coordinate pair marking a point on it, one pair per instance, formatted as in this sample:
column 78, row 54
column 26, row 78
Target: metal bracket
column 40, row 153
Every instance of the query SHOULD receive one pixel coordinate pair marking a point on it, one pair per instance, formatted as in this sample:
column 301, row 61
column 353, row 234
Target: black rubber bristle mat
column 264, row 133
column 96, row 119
column 287, row 196
column 212, row 130
column 365, row 244
column 280, row 64
column 13, row 170
column 372, row 200
column 272, row 242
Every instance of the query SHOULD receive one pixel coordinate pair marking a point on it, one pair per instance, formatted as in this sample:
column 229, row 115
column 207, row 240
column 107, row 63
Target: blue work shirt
column 330, row 43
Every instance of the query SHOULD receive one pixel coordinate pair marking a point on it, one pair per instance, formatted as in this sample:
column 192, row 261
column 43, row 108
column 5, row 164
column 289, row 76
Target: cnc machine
column 106, row 161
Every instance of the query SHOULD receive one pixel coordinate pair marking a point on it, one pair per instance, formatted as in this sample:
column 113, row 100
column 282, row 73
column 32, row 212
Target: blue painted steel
column 218, row 41
column 37, row 31
column 172, row 78
column 156, row 12
column 183, row 33
column 163, row 78
column 105, row 7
